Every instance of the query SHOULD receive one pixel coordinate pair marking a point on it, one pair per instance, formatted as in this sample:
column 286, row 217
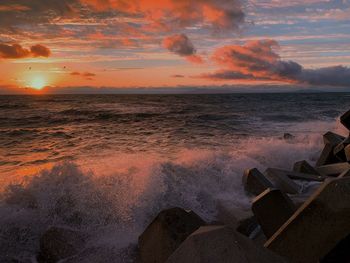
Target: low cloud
column 85, row 75
column 16, row 51
column 181, row 45
column 258, row 60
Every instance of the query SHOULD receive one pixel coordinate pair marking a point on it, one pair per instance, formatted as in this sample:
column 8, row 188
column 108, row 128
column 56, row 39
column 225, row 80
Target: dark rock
column 333, row 169
column 288, row 136
column 317, row 226
column 327, row 155
column 346, row 173
column 255, row 182
column 248, row 226
column 221, row 244
column 272, row 209
column 60, row 243
column 345, row 119
column 165, row 234
column 332, row 138
column 347, row 153
column 299, row 176
column 282, row 182
column 304, row 167
column 228, row 213
column 339, row 150
column 340, row 253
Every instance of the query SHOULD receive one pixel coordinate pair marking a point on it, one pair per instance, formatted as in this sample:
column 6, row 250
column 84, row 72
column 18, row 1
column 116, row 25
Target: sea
column 105, row 165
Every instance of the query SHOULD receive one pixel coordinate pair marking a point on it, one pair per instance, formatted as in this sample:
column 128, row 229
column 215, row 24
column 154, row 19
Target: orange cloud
column 182, row 46
column 177, row 13
column 16, row 51
column 258, row 60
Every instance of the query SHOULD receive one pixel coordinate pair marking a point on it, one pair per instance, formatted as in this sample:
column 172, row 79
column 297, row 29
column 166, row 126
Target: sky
column 72, row 45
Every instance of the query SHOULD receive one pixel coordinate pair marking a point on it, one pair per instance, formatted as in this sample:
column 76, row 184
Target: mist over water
column 106, row 165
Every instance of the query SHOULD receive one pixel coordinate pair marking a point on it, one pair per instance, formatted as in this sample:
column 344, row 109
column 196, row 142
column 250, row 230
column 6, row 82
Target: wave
column 114, row 198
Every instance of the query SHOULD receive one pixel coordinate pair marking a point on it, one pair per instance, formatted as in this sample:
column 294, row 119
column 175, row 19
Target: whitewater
column 106, row 165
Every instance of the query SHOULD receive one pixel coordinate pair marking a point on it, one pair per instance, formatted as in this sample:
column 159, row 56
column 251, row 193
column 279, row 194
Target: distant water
column 107, row 164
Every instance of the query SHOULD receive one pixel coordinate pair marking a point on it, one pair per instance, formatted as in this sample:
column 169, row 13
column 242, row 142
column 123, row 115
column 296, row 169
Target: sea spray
column 113, row 199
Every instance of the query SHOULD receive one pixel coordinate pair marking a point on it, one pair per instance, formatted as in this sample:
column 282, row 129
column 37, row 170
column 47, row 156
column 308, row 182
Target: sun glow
column 38, row 82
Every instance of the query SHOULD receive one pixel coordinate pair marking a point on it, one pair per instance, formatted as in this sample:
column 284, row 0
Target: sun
column 38, row 82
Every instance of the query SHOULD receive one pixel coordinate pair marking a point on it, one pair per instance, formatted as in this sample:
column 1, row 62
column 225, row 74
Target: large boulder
column 317, row 226
column 272, row 209
column 304, row 167
column 221, row 244
column 333, row 169
column 327, row 155
column 59, row 243
column 282, row 181
column 347, row 153
column 339, row 150
column 332, row 138
column 255, row 182
column 345, row 119
column 165, row 234
column 298, row 176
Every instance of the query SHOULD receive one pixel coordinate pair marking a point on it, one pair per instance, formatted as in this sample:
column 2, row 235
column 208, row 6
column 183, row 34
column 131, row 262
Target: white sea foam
column 114, row 198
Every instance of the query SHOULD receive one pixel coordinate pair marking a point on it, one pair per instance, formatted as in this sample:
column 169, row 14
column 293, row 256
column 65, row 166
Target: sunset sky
column 170, row 43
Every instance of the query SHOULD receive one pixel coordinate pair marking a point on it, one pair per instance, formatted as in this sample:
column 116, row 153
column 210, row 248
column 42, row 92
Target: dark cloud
column 86, row 75
column 181, row 45
column 16, row 51
column 177, row 76
column 258, row 60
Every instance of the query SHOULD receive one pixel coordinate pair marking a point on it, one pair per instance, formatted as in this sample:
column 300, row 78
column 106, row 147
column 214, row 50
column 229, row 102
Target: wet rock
column 221, row 244
column 248, row 227
column 345, row 119
column 332, row 138
column 229, row 213
column 299, row 176
column 339, row 150
column 272, row 209
column 346, row 173
column 333, row 169
column 288, row 136
column 304, row 167
column 347, row 153
column 318, row 225
column 282, row 182
column 165, row 234
column 59, row 243
column 327, row 155
column 340, row 253
column 255, row 182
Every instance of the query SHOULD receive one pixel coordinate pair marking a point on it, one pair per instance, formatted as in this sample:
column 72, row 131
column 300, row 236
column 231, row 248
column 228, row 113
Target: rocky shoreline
column 302, row 215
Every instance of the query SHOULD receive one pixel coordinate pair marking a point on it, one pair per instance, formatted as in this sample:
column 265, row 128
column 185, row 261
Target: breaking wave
column 114, row 198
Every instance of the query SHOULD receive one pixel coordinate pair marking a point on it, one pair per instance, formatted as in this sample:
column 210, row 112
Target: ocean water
column 107, row 164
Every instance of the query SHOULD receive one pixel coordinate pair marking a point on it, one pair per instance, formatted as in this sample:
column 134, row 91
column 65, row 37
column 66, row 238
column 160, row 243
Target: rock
column 339, row 150
column 304, row 167
column 345, row 119
column 299, row 176
column 332, row 138
column 272, row 209
column 165, row 234
column 221, row 244
column 288, row 136
column 327, row 156
column 333, row 169
column 229, row 213
column 282, row 182
column 340, row 253
column 317, row 226
column 59, row 243
column 248, row 227
column 255, row 182
column 347, row 153
column 346, row 173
